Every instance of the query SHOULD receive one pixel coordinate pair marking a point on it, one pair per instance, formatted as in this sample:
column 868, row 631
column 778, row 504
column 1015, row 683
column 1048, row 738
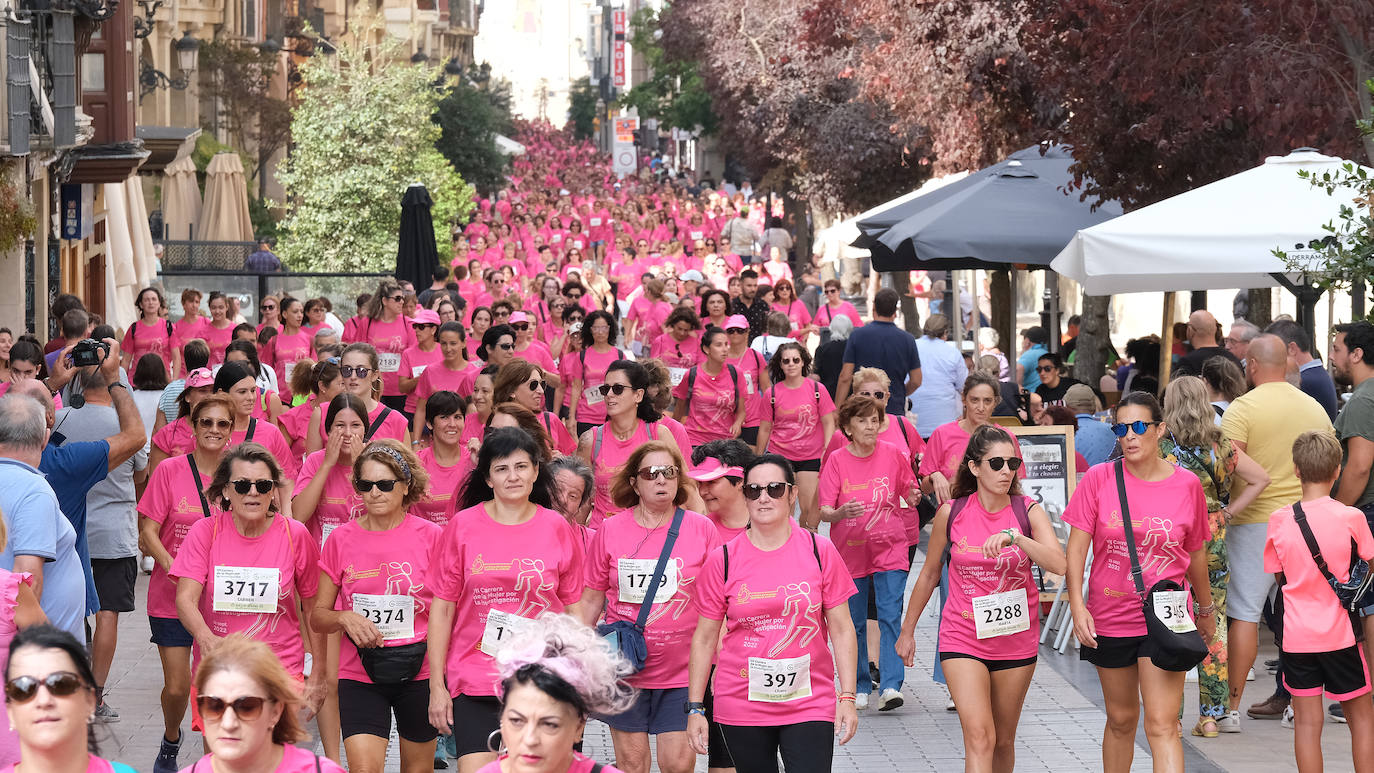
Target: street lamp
column 150, row 79
column 418, row 57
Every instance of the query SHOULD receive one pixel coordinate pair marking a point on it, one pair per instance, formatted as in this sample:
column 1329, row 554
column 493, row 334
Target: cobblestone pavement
column 1060, row 728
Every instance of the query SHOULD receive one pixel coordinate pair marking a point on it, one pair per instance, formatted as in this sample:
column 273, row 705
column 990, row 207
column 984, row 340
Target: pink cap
column 426, row 317
column 737, row 320
column 519, row 316
column 712, row 468
column 199, row 377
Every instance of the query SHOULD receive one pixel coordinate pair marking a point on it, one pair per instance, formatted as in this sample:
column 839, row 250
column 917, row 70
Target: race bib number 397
column 249, row 589
column 779, row 680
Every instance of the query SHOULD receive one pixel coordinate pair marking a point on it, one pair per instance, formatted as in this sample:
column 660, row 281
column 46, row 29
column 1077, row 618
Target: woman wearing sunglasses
column 785, row 301
column 498, row 345
column 178, row 437
column 588, row 371
column 753, row 372
column 385, row 328
column 990, row 625
column 631, row 420
column 293, row 343
column 782, row 594
column 358, row 366
column 860, row 489
column 171, row 504
column 247, row 568
column 235, row 379
column 527, row 348
column 508, row 557
column 20, row 609
column 50, row 694
column 377, row 568
column 416, row 359
column 834, row 306
column 1170, row 509
column 325, row 383
column 269, row 312
column 711, row 397
column 653, row 488
column 250, row 706
column 526, row 383
column 798, row 422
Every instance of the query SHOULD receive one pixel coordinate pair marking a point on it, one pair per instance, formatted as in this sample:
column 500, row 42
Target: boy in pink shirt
column 1320, row 653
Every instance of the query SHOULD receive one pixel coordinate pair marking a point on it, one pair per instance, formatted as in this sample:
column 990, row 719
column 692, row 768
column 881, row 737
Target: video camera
column 89, row 352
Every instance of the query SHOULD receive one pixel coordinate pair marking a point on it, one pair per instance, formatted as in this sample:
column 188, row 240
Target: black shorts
column 806, row 747
column 991, row 665
column 169, row 632
column 749, row 435
column 475, row 718
column 366, row 709
column 114, row 582
column 1342, row 674
column 717, row 754
column 1116, row 651
column 806, row 465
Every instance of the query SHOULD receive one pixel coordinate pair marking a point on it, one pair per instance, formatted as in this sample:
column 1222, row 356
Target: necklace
column 627, row 435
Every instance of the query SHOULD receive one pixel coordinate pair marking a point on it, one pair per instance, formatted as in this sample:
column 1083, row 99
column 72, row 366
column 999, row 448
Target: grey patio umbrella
column 416, row 254
column 1018, row 211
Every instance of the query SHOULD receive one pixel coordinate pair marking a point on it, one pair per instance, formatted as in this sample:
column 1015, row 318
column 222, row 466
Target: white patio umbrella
column 1216, row 237
column 181, row 200
column 225, row 214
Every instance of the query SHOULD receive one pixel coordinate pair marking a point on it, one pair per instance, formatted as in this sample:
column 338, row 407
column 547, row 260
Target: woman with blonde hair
column 1195, row 443
column 250, row 705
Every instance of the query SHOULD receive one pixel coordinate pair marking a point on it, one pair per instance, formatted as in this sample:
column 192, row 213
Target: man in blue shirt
column 1314, row 380
column 263, row 261
column 881, row 344
column 1092, row 438
column 1034, row 342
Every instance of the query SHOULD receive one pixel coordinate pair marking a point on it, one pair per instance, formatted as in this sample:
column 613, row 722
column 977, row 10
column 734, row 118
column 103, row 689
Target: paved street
column 1060, row 729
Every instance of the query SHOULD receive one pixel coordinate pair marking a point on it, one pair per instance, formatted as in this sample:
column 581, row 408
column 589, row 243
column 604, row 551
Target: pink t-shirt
column 609, row 456
column 945, row 450
column 591, row 408
column 773, row 605
column 650, row 316
column 438, row 377
column 796, row 416
column 1169, row 519
column 971, row 575
column 389, row 339
column 9, row 605
column 1312, row 615
column 218, row 339
column 826, row 313
column 519, row 571
column 142, row 338
column 677, row 355
column 392, row 564
column 175, row 438
column 184, row 330
column 266, row 434
column 414, row 362
column 726, row 533
column 875, row 541
column 294, row 760
column 214, row 554
column 93, row 765
column 284, row 351
column 173, row 503
column 339, row 502
column 538, row 354
column 711, row 406
column 751, row 369
column 294, row 425
column 580, row 764
column 443, row 486
column 624, row 551
column 796, row 312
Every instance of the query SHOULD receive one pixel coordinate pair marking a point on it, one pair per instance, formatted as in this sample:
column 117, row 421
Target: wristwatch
column 694, row 707
column 110, row 387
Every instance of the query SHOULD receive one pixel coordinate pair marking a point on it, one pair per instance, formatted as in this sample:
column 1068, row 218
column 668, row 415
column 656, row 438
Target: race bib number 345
column 779, row 680
column 249, row 589
column 1171, row 607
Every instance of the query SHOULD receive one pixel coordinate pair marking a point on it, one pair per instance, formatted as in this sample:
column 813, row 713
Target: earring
column 492, row 742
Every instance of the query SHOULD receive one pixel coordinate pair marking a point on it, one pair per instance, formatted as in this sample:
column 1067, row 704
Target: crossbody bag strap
column 596, row 441
column 1136, row 573
column 252, row 427
column 1018, row 507
column 663, row 557
column 377, row 423
column 955, row 507
column 1300, row 518
column 200, row 486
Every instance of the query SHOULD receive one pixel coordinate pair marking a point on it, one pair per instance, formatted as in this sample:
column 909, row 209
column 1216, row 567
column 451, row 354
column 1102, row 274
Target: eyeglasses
column 263, row 485
column 1138, row 427
column 830, row 290
column 397, row 298
column 247, row 708
column 664, row 471
column 735, row 331
column 502, row 314
column 350, row 371
column 22, row 689
column 506, row 346
column 521, row 326
column 998, row 462
column 574, row 296
column 791, row 361
column 212, row 424
column 364, row 486
column 619, row 389
column 753, row 491
column 267, row 307
column 536, row 386
column 1046, row 368
column 875, row 395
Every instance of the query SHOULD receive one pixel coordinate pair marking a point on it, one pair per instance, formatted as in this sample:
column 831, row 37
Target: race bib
column 393, row 615
column 290, row 368
column 1001, row 614
column 251, row 589
column 1171, row 607
column 781, row 680
column 326, row 530
column 596, row 221
column 675, row 375
column 416, row 370
column 749, row 383
column 388, row 362
column 592, row 395
column 501, row 628
column 635, row 575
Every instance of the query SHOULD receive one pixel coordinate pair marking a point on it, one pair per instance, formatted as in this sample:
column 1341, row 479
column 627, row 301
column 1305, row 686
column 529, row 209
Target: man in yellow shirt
column 1263, row 423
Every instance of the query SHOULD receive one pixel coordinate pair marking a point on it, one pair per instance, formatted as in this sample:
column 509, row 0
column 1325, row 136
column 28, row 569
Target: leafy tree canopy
column 675, row 93
column 472, row 112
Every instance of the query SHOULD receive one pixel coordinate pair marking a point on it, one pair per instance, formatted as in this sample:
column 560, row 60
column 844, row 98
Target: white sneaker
column 861, row 701
column 1229, row 722
column 1250, row 675
column 890, row 699
column 949, row 703
column 1287, row 720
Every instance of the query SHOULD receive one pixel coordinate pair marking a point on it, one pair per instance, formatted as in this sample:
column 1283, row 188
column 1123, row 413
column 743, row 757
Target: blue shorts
column 169, row 632
column 653, row 712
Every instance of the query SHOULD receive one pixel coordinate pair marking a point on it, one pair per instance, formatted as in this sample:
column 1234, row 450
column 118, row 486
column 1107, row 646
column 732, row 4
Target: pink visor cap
column 713, row 469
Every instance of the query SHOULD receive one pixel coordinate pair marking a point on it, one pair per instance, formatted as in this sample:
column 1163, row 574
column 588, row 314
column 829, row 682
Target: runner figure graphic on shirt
column 680, row 600
column 1157, row 544
column 801, row 625
column 533, row 587
column 1008, row 577
column 882, row 501
column 397, row 573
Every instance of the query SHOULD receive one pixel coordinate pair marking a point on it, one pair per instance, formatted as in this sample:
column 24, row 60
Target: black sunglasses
column 398, row 298
column 997, row 462
column 507, row 347
column 536, row 386
column 775, row 490
column 736, row 330
column 1046, row 368
column 263, row 485
column 875, row 395
column 267, row 307
column 247, row 708
column 619, row 389
column 349, row 371
column 22, row 689
column 521, row 326
column 363, row 486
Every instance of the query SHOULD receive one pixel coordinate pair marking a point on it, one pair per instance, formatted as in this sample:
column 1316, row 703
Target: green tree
column 675, row 92
column 582, row 116
column 470, row 115
column 363, row 131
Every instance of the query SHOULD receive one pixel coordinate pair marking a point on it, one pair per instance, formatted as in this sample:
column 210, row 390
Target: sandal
column 1206, row 727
